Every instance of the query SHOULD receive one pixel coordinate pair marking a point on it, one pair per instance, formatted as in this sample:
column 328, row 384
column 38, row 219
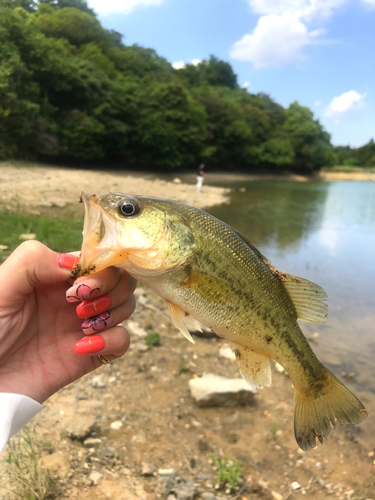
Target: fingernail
column 82, row 292
column 89, row 345
column 96, row 323
column 93, row 307
column 67, row 260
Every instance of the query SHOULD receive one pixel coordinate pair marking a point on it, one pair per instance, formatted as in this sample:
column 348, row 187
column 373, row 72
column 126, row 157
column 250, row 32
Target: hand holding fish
column 41, row 344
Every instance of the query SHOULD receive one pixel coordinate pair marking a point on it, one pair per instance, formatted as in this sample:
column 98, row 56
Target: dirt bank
column 55, row 191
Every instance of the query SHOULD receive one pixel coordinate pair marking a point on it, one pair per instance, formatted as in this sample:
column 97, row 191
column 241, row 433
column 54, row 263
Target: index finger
column 89, row 287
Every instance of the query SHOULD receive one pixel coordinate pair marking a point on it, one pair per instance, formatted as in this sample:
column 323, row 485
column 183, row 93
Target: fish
column 208, row 273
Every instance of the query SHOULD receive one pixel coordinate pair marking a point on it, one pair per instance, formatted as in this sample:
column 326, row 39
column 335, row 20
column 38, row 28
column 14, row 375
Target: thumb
column 31, row 264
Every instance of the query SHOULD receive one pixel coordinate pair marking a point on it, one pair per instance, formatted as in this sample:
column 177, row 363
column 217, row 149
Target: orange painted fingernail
column 67, row 260
column 92, row 307
column 89, row 345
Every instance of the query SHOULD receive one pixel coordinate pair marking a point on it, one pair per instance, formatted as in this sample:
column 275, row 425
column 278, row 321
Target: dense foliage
column 71, row 90
column 354, row 157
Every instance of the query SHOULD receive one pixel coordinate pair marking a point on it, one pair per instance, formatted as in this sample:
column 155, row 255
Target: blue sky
column 319, row 52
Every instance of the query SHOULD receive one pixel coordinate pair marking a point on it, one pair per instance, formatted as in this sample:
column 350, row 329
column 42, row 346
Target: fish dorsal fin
column 254, row 367
column 182, row 320
column 253, row 248
column 309, row 299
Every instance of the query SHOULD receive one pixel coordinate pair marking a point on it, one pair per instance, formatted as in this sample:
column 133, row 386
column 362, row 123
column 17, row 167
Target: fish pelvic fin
column 254, row 367
column 182, row 320
column 315, row 414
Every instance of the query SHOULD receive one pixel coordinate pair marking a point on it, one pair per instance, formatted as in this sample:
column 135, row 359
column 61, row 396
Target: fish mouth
column 100, row 248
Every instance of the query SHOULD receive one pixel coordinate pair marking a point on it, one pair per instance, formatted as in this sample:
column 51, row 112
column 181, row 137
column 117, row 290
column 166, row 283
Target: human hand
column 39, row 327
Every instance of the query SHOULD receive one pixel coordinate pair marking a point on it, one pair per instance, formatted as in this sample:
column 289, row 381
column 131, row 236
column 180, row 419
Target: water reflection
column 325, row 232
column 275, row 213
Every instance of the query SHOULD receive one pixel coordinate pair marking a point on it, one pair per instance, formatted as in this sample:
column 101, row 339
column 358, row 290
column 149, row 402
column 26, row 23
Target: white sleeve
column 15, row 411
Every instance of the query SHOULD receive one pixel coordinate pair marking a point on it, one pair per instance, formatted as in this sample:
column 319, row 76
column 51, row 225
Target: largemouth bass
column 209, row 273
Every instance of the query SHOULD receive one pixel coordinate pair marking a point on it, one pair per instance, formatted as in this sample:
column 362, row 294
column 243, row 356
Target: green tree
column 311, row 143
column 212, row 71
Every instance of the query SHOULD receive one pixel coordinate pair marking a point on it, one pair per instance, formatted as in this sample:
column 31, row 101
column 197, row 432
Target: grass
column 228, row 473
column 348, row 169
column 182, row 368
column 59, row 234
column 26, row 477
column 153, row 339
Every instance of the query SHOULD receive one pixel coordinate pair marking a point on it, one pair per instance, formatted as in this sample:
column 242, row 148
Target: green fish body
column 209, row 273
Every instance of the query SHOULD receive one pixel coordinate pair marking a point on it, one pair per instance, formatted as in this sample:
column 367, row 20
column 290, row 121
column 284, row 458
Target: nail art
column 67, row 260
column 82, row 292
column 93, row 307
column 89, row 345
column 96, row 323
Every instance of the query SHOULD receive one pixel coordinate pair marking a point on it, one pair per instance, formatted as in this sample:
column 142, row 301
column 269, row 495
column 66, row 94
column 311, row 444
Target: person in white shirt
column 44, row 344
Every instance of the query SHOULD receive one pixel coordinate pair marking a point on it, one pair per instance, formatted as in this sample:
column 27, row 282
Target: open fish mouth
column 100, row 247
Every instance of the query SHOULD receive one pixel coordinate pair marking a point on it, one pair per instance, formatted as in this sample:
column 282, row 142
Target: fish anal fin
column 254, row 367
column 182, row 320
column 309, row 299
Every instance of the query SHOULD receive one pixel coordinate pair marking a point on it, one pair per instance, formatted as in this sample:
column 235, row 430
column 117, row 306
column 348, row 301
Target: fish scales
column 208, row 272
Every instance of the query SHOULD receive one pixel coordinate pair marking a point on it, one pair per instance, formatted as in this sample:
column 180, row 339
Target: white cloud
column 178, row 65
column 181, row 64
column 344, row 102
column 120, row 6
column 245, row 85
column 282, row 31
column 275, row 40
column 306, row 9
column 369, row 2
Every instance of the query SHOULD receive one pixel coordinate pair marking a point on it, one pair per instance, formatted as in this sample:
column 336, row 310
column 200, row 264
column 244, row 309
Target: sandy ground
column 42, row 190
column 147, row 392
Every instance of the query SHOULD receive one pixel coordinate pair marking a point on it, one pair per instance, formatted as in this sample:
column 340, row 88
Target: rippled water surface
column 325, row 232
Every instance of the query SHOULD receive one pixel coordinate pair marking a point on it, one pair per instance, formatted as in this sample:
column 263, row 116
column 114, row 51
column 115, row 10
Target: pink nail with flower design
column 96, row 323
column 83, row 291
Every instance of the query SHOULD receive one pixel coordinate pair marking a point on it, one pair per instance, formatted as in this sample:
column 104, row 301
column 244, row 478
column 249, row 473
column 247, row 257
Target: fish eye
column 128, row 208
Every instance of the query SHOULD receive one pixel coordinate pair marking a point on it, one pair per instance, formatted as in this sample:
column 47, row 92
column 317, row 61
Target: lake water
column 324, row 232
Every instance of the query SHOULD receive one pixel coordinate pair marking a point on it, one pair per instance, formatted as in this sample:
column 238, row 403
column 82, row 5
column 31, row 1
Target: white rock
column 276, row 496
column 135, row 329
column 95, row 477
column 167, row 472
column 214, row 390
column 295, row 486
column 116, row 425
column 90, row 442
column 176, row 180
column 3, row 247
column 226, row 352
column 97, row 382
column 27, row 237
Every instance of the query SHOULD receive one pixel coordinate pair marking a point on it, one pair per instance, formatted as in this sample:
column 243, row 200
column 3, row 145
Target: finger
column 89, row 287
column 32, row 263
column 120, row 293
column 112, row 343
column 108, row 319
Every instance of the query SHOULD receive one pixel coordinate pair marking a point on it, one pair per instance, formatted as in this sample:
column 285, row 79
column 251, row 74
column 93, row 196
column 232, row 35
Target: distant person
column 200, row 177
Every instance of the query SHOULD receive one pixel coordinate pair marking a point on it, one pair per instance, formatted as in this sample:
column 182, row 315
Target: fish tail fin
column 315, row 414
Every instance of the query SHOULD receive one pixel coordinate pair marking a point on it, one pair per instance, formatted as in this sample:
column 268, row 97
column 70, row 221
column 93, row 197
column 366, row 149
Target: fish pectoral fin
column 254, row 367
column 309, row 299
column 182, row 320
